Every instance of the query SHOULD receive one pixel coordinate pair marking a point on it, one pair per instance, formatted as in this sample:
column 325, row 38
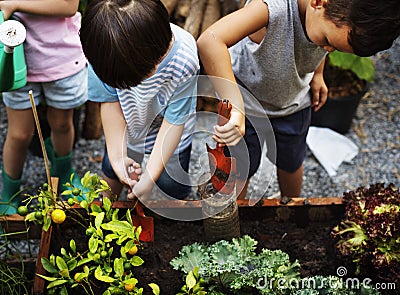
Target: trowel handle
column 224, row 111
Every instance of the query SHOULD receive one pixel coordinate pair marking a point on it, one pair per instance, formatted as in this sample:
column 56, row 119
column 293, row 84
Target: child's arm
column 318, row 87
column 167, row 140
column 114, row 127
column 61, row 8
column 213, row 47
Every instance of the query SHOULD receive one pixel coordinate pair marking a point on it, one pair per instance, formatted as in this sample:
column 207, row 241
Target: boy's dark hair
column 124, row 40
column 374, row 24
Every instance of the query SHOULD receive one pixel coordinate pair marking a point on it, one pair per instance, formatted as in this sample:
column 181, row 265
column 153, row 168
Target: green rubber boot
column 61, row 167
column 11, row 194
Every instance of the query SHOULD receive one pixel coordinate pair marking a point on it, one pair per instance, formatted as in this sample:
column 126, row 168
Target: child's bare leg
column 62, row 130
column 19, row 136
column 290, row 183
column 115, row 185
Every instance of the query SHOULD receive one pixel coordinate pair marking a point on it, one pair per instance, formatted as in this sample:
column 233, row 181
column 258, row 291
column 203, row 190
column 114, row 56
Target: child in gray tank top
column 276, row 50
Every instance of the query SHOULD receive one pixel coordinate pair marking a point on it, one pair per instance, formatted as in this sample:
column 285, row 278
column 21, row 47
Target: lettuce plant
column 370, row 231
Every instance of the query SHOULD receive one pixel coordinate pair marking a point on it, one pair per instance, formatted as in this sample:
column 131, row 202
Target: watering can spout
column 12, row 59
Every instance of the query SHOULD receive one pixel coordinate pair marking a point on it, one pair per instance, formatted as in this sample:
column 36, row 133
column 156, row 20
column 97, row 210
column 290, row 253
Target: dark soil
column 303, row 233
column 309, row 243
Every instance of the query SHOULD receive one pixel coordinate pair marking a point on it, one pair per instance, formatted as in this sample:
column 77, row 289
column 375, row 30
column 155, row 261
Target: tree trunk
column 212, row 13
column 170, row 5
column 193, row 21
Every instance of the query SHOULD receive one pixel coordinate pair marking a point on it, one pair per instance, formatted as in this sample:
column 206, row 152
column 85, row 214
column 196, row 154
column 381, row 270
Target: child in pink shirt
column 57, row 75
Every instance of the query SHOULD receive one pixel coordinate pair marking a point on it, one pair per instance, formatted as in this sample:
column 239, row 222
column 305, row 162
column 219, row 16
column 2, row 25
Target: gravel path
column 375, row 130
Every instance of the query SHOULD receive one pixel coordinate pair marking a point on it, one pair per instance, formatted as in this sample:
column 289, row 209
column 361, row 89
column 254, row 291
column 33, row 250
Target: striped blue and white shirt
column 170, row 93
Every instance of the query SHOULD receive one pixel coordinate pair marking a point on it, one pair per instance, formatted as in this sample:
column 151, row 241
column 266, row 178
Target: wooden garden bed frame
column 298, row 210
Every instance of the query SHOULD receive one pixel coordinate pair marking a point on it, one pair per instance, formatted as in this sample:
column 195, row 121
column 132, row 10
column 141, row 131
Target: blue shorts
column 174, row 181
column 286, row 143
column 64, row 94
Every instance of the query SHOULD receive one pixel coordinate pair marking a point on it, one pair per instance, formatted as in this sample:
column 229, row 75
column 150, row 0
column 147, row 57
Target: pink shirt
column 52, row 47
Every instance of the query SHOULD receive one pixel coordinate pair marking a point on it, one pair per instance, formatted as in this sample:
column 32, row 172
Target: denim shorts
column 67, row 93
column 286, row 143
column 174, row 181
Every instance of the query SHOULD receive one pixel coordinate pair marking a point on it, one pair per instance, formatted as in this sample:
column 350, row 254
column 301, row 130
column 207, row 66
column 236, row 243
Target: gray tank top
column 277, row 71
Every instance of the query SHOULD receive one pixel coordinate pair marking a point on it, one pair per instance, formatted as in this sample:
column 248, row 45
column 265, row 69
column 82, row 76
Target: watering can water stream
column 12, row 59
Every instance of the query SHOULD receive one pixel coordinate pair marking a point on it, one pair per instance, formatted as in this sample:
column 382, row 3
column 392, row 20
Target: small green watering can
column 12, row 58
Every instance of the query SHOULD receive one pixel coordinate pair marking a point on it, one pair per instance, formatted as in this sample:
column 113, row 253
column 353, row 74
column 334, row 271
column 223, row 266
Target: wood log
column 193, row 21
column 170, row 5
column 228, row 6
column 182, row 12
column 242, row 3
column 212, row 13
column 92, row 127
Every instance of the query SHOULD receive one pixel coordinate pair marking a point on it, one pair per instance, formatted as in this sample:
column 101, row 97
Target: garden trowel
column 145, row 222
column 221, row 166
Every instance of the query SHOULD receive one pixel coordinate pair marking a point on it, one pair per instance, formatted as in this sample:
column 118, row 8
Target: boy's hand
column 319, row 92
column 128, row 171
column 142, row 189
column 230, row 133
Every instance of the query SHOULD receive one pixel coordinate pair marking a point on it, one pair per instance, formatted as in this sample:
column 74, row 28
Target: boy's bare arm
column 213, row 47
column 114, row 127
column 318, row 87
column 167, row 140
column 60, row 8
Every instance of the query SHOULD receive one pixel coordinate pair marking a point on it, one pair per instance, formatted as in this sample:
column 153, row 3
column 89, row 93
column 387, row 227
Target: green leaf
column 129, row 217
column 136, row 261
column 119, row 266
column 66, row 192
column 131, row 281
column 56, row 283
column 190, row 280
column 99, row 219
column 155, row 288
column 48, row 266
column 72, row 264
column 83, row 261
column 61, row 263
column 47, row 223
column 50, row 279
column 63, row 291
column 72, row 245
column 108, row 238
column 107, row 204
column 96, row 208
column 64, row 273
column 93, row 244
column 119, row 226
column 98, row 274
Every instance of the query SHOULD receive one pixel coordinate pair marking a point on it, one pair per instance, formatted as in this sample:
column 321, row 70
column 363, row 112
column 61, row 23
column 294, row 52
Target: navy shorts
column 173, row 181
column 285, row 139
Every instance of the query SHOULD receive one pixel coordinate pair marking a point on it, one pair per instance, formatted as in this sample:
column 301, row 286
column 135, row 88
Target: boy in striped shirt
column 143, row 71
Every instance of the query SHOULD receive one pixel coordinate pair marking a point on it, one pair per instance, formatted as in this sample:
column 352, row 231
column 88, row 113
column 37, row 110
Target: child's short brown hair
column 124, row 40
column 374, row 24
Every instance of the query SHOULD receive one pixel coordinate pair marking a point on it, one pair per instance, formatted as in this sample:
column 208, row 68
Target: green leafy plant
column 362, row 67
column 230, row 266
column 346, row 74
column 13, row 280
column 234, row 267
column 369, row 234
column 193, row 284
column 109, row 257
